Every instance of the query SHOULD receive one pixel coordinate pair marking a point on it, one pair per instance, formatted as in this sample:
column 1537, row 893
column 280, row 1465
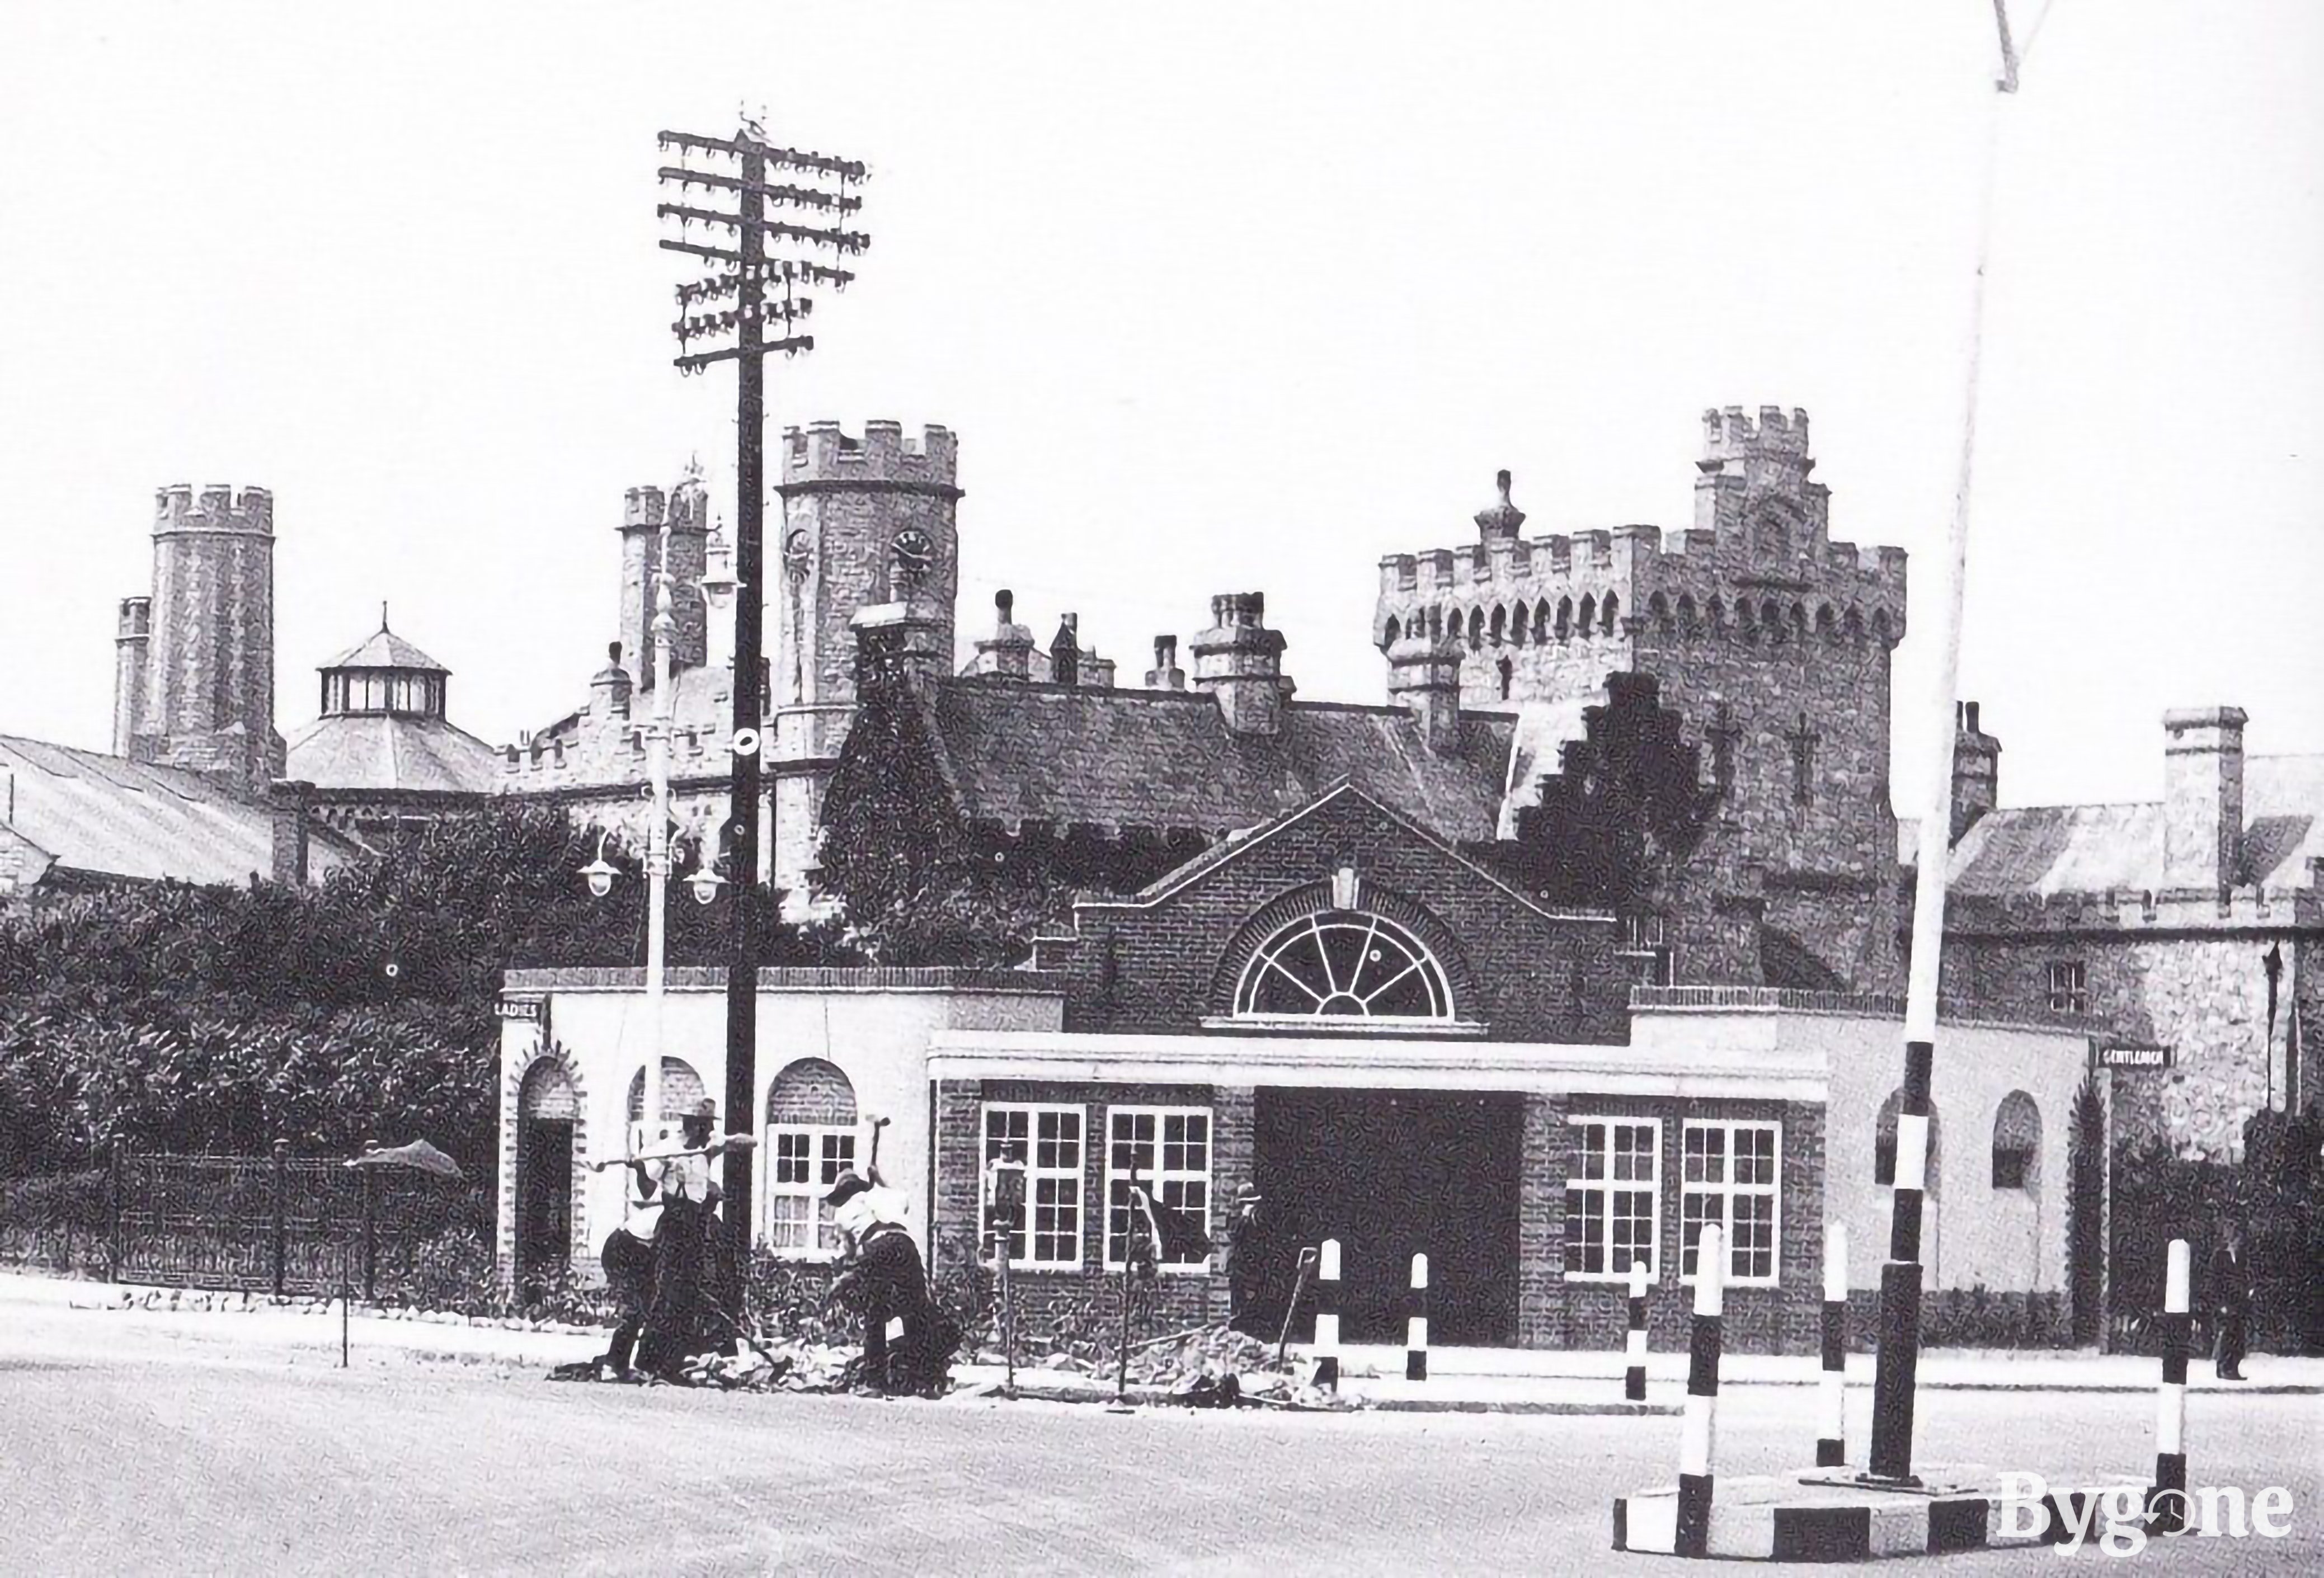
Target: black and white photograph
column 902, row 788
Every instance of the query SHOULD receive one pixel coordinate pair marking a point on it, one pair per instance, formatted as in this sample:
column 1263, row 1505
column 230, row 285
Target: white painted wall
column 877, row 1036
column 2006, row 1239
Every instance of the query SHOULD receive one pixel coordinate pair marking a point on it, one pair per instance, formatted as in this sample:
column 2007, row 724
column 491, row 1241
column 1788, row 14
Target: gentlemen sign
column 2130, row 1059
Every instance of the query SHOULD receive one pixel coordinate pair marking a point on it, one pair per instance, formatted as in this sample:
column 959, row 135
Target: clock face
column 798, row 548
column 914, row 552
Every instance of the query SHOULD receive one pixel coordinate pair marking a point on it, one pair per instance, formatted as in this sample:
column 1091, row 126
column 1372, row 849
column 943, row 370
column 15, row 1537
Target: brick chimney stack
column 1976, row 769
column 1425, row 675
column 1240, row 661
column 2202, row 796
column 1008, row 649
column 1166, row 674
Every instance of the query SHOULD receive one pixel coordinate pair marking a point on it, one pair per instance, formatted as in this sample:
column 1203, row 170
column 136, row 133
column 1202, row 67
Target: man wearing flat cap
column 689, row 1268
column 885, row 1272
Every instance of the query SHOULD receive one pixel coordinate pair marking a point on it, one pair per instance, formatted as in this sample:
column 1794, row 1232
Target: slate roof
column 387, row 751
column 1022, row 751
column 116, row 818
column 384, row 649
column 2100, row 848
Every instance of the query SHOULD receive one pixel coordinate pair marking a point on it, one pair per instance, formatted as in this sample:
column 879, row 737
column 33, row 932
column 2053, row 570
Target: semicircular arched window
column 1343, row 964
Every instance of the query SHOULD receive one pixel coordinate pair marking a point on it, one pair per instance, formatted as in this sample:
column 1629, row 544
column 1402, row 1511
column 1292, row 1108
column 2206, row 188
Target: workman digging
column 665, row 1264
column 908, row 1340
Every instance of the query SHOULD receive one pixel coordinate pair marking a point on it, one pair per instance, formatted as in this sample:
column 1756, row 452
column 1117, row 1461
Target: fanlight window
column 1343, row 964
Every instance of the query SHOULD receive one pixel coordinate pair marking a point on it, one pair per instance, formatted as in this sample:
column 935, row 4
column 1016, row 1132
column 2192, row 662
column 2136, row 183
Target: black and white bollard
column 1327, row 1317
column 2166, row 1504
column 1416, row 1323
column 1634, row 1341
column 1831, row 1401
column 1700, row 1428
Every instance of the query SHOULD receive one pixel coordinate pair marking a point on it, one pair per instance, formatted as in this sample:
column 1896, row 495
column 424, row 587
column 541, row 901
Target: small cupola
column 386, row 675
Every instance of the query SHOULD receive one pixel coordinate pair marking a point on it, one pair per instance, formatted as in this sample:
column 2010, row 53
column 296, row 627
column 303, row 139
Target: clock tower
column 866, row 522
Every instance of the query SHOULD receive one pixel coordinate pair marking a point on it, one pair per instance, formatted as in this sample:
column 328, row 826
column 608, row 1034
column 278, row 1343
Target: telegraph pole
column 767, row 287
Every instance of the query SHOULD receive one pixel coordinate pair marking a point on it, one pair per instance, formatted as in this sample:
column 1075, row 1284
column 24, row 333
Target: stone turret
column 208, row 694
column 1240, row 661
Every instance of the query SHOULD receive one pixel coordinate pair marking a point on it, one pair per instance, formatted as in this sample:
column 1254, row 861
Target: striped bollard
column 1701, row 1426
column 1831, row 1441
column 1327, row 1317
column 1634, row 1342
column 1415, row 1323
column 2166, row 1504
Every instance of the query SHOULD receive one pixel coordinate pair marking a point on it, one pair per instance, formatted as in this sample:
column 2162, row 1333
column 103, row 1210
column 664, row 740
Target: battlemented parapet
column 2133, row 910
column 824, row 454
column 644, row 511
column 1772, row 640
column 206, row 699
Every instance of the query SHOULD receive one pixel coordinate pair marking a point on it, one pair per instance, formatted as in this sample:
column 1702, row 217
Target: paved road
column 123, row 1450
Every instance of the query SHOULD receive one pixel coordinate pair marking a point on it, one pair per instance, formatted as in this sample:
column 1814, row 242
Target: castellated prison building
column 1311, row 946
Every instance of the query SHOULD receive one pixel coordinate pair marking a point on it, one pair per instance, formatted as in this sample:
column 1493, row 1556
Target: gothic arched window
column 1343, row 964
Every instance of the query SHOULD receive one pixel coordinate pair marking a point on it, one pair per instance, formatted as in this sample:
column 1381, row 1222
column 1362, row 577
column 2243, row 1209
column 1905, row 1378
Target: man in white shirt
column 886, row 1273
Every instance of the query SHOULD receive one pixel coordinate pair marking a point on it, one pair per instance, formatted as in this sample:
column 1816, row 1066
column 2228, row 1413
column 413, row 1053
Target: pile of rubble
column 1206, row 1367
column 779, row 1367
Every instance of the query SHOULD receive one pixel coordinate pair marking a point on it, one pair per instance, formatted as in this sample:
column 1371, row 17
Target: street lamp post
column 717, row 589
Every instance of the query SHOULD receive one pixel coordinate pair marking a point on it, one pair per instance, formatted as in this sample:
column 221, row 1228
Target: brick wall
column 1525, row 975
column 1552, row 1312
column 1555, row 1313
column 1183, row 1297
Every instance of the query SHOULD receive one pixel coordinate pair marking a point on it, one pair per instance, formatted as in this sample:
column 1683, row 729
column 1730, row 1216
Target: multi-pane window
column 803, row 1160
column 1645, row 941
column 2070, row 986
column 1343, row 964
column 1729, row 1174
column 1046, row 1234
column 1168, row 1151
column 1612, row 1193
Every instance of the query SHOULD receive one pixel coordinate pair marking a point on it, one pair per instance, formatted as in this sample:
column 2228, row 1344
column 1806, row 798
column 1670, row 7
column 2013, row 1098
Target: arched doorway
column 810, row 1140
column 548, row 1106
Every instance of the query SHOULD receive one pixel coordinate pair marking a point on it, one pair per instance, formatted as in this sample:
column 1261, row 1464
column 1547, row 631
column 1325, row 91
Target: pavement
column 140, row 1441
column 1460, row 1380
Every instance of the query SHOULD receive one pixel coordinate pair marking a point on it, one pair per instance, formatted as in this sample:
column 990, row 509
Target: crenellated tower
column 869, row 524
column 1772, row 640
column 686, row 509
column 207, row 688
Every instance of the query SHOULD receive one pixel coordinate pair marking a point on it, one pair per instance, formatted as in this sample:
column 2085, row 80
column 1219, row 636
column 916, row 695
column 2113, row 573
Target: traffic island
column 1815, row 1515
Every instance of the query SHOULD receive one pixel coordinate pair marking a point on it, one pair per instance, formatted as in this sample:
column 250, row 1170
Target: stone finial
column 1499, row 522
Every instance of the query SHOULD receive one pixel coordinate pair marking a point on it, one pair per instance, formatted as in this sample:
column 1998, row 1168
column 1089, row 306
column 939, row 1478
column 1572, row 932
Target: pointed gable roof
column 384, row 649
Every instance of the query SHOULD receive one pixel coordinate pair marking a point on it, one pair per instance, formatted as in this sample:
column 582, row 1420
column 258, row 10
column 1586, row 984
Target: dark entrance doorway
column 1391, row 1174
column 547, row 1107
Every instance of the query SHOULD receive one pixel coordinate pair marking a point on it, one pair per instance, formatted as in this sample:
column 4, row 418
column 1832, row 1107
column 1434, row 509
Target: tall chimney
column 1240, row 661
column 131, row 640
column 1425, row 675
column 1976, row 769
column 2202, row 796
column 1007, row 651
column 1166, row 674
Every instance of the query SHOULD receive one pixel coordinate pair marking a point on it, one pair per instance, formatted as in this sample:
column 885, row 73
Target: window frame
column 2068, row 985
column 1727, row 1190
column 1578, row 1180
column 821, row 1174
column 1035, row 1175
column 1264, row 956
column 1109, row 1249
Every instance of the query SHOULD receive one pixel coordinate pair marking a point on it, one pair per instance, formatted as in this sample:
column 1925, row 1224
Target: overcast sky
column 1218, row 298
